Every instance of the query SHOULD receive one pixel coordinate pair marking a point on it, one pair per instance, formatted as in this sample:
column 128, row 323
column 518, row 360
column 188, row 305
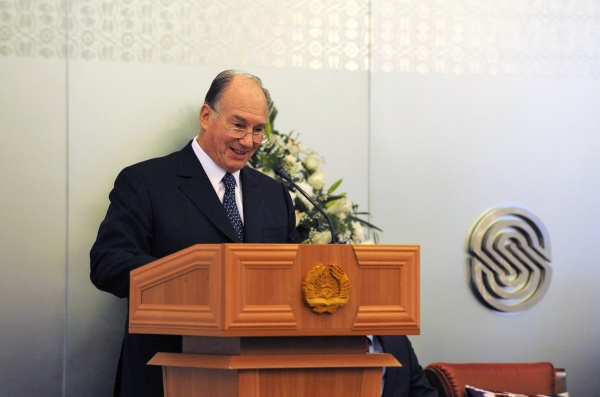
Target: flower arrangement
column 302, row 164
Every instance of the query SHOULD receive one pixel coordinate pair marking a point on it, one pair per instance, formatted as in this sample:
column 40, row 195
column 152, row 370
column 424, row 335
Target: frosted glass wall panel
column 33, row 150
column 463, row 143
column 138, row 75
column 124, row 113
column 476, row 104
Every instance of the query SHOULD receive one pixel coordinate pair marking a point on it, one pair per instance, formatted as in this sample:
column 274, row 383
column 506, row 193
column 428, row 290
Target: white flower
column 340, row 207
column 312, row 162
column 293, row 148
column 317, row 180
column 309, row 190
column 357, row 232
column 303, row 163
column 323, row 237
column 277, row 140
column 345, row 235
column 293, row 166
column 304, row 149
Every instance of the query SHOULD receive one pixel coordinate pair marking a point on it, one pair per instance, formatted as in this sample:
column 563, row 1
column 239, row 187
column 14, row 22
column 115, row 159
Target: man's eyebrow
column 243, row 120
column 238, row 117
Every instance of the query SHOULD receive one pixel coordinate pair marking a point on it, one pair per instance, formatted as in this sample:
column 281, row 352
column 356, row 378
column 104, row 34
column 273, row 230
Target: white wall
column 477, row 104
column 32, row 226
column 466, row 105
column 461, row 146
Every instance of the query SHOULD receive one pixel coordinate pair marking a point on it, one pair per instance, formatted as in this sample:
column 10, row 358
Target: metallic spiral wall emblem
column 510, row 255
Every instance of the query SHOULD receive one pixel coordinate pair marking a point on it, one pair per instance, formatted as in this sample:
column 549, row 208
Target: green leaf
column 364, row 223
column 269, row 128
column 334, row 186
column 334, row 198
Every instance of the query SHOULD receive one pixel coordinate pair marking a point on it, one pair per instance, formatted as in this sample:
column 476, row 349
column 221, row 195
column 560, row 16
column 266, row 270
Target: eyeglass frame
column 264, row 134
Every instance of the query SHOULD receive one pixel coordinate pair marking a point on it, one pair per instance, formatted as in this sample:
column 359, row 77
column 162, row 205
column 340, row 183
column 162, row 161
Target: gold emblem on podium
column 325, row 288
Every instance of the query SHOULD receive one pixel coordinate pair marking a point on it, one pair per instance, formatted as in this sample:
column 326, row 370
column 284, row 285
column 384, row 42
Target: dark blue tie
column 231, row 207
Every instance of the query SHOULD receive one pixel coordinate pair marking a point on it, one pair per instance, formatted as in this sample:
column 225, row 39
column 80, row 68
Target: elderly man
column 203, row 194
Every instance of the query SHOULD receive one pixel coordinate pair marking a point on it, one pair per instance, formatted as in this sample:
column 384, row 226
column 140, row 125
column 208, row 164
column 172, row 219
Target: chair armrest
column 450, row 379
column 440, row 382
column 561, row 380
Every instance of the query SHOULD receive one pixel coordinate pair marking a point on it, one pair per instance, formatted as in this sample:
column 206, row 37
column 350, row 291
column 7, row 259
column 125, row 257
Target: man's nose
column 246, row 140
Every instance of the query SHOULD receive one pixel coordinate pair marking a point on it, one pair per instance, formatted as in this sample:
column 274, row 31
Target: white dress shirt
column 215, row 175
column 375, row 347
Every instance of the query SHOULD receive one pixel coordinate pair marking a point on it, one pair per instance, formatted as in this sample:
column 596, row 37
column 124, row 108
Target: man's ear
column 205, row 116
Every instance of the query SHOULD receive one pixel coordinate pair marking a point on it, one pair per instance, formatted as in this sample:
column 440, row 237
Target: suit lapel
column 194, row 183
column 253, row 207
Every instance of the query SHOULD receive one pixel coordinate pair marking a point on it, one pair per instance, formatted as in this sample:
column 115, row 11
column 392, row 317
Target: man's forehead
column 242, row 107
column 244, row 119
column 243, row 91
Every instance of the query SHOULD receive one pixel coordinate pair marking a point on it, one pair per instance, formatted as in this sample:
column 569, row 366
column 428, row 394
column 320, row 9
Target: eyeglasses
column 259, row 135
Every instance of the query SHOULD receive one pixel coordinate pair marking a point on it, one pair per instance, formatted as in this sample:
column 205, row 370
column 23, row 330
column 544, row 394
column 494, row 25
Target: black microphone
column 279, row 170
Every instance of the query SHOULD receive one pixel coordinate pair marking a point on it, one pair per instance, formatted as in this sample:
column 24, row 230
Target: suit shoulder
column 262, row 178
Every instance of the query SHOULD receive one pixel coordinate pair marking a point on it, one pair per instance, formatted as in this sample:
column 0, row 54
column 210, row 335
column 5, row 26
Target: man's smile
column 240, row 152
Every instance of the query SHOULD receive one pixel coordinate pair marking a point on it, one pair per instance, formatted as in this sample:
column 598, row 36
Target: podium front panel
column 242, row 290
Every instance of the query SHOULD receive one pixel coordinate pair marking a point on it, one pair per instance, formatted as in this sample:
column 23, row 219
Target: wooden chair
column 527, row 378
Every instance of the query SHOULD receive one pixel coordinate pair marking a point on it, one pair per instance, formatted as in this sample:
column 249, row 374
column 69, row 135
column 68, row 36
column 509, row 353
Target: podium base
column 315, row 375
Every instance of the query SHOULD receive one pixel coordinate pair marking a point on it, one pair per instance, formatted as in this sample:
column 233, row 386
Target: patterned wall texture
column 491, row 37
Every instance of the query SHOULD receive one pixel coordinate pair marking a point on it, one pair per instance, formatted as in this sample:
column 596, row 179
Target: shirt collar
column 213, row 171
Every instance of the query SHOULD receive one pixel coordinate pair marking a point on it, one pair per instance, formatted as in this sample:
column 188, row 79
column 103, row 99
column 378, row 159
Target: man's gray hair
column 222, row 81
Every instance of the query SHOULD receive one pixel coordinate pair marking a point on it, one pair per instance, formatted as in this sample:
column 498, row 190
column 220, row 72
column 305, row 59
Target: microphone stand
column 279, row 170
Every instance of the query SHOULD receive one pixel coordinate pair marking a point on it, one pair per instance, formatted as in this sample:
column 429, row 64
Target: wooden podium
column 248, row 314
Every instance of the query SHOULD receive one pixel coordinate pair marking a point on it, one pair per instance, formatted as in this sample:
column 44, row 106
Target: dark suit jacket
column 408, row 380
column 159, row 207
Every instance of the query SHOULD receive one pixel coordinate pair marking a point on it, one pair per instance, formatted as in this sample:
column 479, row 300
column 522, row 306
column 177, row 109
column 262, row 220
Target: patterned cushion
column 474, row 392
